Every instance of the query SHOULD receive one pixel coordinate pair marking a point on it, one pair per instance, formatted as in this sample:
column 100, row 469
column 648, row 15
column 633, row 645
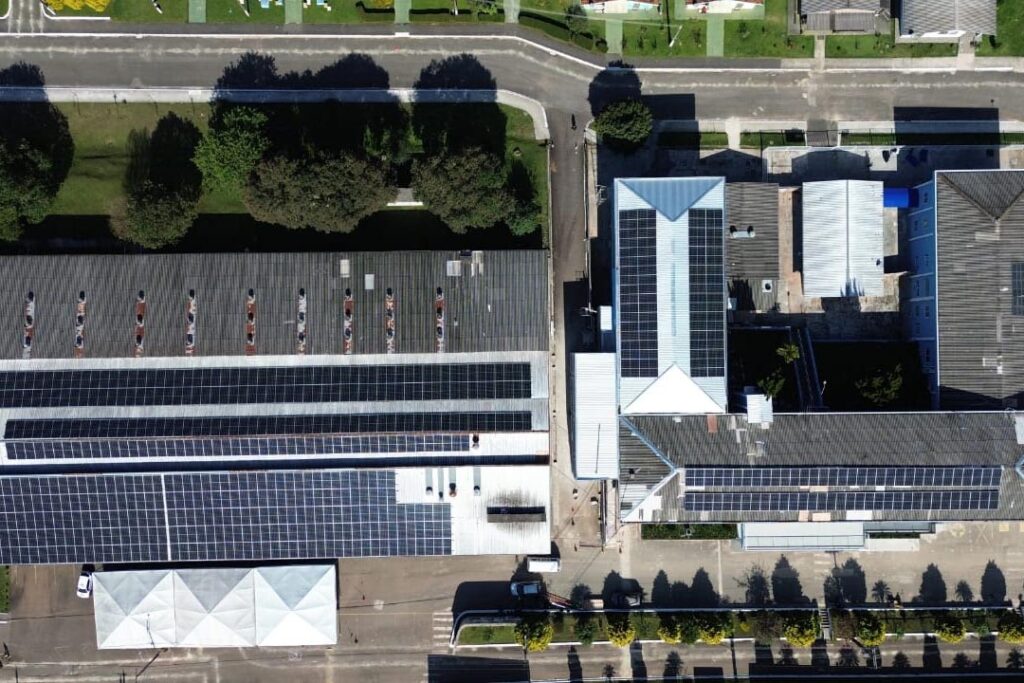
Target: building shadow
column 673, row 667
column 988, row 658
column 983, row 122
column 482, row 595
column 456, row 669
column 637, row 665
column 575, row 667
column 931, row 656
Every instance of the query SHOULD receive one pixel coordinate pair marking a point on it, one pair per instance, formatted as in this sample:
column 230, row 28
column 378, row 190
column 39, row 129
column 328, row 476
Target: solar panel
column 779, row 477
column 949, row 499
column 294, row 514
column 299, row 384
column 498, row 421
column 707, row 293
column 638, row 293
column 235, row 447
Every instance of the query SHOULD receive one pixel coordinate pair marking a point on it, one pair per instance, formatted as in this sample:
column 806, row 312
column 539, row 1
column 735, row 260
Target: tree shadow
column 701, row 592
column 139, row 156
column 787, row 657
column 355, row 70
column 251, row 71
column 575, row 667
column 961, row 661
column 616, row 82
column 673, row 667
column 988, row 659
column 931, row 657
column 900, row 661
column 661, row 590
column 171, row 149
column 579, row 593
column 993, row 585
column 852, row 582
column 763, row 655
column 636, row 661
column 612, row 585
column 933, row 586
column 819, row 655
column 963, row 592
column 786, row 588
column 847, row 658
column 1015, row 659
column 757, row 589
column 441, row 127
column 880, row 592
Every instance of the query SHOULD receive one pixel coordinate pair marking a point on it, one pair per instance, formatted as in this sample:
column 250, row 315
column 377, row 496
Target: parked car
column 527, row 589
column 84, row 589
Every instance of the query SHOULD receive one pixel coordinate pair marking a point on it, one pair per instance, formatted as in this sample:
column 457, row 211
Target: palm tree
column 880, row 592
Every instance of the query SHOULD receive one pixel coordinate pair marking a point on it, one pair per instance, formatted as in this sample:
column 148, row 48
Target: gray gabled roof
column 817, row 440
column 756, row 206
column 937, row 16
column 811, row 6
column 980, row 231
column 494, row 301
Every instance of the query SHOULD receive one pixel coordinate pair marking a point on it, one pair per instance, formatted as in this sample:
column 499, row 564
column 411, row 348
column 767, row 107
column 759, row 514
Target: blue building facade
column 918, row 292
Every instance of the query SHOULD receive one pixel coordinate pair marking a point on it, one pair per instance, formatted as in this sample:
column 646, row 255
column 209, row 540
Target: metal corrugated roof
column 980, row 231
column 752, row 205
column 595, row 422
column 936, row 439
column 842, row 238
column 940, row 16
column 809, row 6
column 498, row 302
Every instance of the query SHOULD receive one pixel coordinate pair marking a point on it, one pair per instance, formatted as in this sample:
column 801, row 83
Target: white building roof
column 842, row 238
column 216, row 607
column 595, row 422
column 815, row 536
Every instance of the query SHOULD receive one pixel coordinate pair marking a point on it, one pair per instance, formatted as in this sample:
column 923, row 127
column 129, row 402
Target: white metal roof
column 287, row 605
column 595, row 425
column 842, row 238
column 802, row 535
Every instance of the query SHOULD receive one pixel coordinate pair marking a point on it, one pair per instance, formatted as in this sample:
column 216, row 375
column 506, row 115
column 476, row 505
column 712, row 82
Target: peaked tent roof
column 674, row 392
column 668, row 196
column 218, row 607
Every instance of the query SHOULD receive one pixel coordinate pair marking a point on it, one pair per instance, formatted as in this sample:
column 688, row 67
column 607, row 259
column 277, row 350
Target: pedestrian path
column 716, row 37
column 613, row 35
column 293, row 11
column 511, row 9
column 442, row 630
column 402, row 9
column 197, row 11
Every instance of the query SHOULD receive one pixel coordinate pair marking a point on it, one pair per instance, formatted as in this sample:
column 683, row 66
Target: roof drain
column 300, row 323
column 79, row 351
column 389, row 320
column 140, row 323
column 190, row 323
column 30, row 325
column 439, row 305
column 250, row 322
column 347, row 331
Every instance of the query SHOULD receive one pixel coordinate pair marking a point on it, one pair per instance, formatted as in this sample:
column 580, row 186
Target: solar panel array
column 229, row 516
column 234, row 447
column 947, row 499
column 777, row 477
column 638, row 293
column 299, row 384
column 707, row 293
column 498, row 421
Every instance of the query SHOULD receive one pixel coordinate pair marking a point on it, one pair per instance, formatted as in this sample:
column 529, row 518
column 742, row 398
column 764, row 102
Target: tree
column 765, row 626
column 1011, row 627
column 229, row 152
column 669, row 631
column 844, row 625
column 585, row 629
column 689, row 628
column 949, row 627
column 25, row 189
column 575, row 19
column 621, row 631
column 625, row 124
column 883, row 388
column 534, row 632
column 154, row 217
column 713, row 627
column 870, row 629
column 163, row 185
column 327, row 192
column 466, row 189
column 799, row 629
column 789, row 353
column 772, row 384
column 485, row 6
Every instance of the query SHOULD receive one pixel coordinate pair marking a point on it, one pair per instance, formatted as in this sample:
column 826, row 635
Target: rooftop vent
column 300, row 325
column 140, row 322
column 79, row 350
column 250, row 322
column 30, row 325
column 191, row 308
column 389, row 320
column 439, row 336
column 349, row 313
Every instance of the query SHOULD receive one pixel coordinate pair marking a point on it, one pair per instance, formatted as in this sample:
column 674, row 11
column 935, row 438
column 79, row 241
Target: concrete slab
column 716, row 37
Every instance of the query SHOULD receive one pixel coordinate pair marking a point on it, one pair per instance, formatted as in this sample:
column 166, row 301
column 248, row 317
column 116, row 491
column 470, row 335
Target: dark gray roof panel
column 753, row 205
column 498, row 302
column 809, row 6
column 978, row 332
column 938, row 16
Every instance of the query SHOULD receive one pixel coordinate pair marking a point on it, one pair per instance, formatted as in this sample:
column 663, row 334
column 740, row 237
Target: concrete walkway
column 402, row 10
column 511, row 9
column 716, row 37
column 613, row 35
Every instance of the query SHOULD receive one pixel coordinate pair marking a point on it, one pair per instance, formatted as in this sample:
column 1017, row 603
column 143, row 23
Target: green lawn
column 345, row 12
column 687, row 531
column 230, row 12
column 780, row 138
column 766, row 38
column 652, row 39
column 440, row 11
column 1010, row 30
column 884, row 46
column 4, row 5
column 486, row 635
column 519, row 135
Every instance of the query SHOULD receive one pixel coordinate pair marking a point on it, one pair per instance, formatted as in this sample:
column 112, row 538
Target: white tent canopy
column 288, row 605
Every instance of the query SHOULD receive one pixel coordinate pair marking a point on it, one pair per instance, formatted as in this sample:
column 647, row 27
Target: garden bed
column 691, row 532
column 842, row 364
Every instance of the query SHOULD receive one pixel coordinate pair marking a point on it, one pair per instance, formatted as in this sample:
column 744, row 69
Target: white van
column 543, row 564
